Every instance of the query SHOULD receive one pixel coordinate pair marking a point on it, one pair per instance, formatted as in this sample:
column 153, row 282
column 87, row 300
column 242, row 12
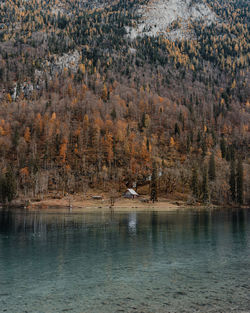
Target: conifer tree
column 232, row 181
column 194, row 183
column 10, row 185
column 7, row 186
column 205, row 195
column 230, row 153
column 153, row 192
column 211, row 169
column 113, row 114
column 223, row 147
column 239, row 179
column 2, row 186
column 204, row 147
column 176, row 129
column 143, row 119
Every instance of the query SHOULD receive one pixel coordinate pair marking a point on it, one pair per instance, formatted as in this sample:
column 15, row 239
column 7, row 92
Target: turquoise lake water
column 183, row 261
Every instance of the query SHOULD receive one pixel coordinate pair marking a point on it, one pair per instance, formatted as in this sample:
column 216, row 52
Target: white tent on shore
column 130, row 194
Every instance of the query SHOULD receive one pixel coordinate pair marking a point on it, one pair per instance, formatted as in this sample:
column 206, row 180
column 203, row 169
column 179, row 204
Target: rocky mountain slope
column 171, row 18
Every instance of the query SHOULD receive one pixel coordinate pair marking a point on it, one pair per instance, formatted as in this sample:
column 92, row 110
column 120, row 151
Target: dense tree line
column 82, row 105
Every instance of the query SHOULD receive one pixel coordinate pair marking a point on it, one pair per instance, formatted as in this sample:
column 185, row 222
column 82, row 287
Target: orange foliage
column 63, row 150
column 27, row 134
column 24, row 172
column 9, row 98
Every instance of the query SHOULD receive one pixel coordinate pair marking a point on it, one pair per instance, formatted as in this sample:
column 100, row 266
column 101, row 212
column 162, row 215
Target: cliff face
column 171, row 18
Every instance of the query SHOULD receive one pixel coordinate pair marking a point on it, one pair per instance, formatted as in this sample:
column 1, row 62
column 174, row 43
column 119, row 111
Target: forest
column 84, row 106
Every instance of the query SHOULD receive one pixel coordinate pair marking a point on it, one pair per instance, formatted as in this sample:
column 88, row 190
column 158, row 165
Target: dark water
column 128, row 262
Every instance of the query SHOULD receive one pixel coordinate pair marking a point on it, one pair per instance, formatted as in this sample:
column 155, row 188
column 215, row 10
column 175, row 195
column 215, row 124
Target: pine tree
column 15, row 138
column 2, row 183
column 211, row 169
column 7, row 186
column 198, row 139
column 188, row 144
column 204, row 147
column 143, row 120
column 223, row 147
column 232, row 182
column 148, row 145
column 205, row 195
column 239, row 179
column 153, row 192
column 10, row 185
column 230, row 154
column 176, row 129
column 113, row 114
column 194, row 183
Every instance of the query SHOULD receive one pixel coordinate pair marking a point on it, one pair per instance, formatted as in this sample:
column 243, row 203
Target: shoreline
column 80, row 204
column 121, row 205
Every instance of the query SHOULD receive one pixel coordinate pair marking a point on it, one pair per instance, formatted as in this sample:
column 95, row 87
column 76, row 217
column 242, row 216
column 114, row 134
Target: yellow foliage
column 104, row 93
column 63, row 150
column 172, row 142
column 86, row 120
column 9, row 98
column 53, row 117
column 109, row 146
column 245, row 128
column 147, row 120
column 191, row 67
column 2, row 132
column 233, row 84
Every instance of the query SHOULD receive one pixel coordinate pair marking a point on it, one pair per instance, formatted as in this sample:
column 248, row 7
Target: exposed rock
column 170, row 18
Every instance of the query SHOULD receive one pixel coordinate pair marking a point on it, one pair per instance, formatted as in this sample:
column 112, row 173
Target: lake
column 183, row 261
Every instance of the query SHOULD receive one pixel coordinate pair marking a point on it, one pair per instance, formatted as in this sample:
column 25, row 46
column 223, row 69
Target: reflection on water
column 129, row 262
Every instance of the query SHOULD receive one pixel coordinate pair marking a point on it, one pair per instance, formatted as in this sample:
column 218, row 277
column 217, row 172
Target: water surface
column 125, row 262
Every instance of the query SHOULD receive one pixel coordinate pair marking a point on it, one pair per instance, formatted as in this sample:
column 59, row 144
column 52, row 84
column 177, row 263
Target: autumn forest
column 83, row 105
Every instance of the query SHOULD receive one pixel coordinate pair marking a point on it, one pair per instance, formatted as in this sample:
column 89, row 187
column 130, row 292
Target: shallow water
column 130, row 262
